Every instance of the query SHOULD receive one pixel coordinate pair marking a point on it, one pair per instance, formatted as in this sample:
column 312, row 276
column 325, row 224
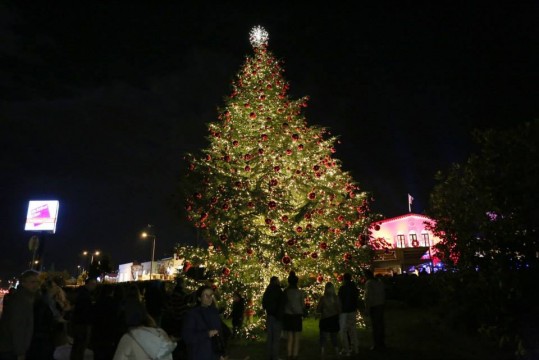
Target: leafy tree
column 486, row 208
column 487, row 217
column 267, row 194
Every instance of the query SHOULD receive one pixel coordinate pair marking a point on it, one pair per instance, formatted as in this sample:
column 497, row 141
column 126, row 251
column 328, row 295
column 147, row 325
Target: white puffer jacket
column 145, row 343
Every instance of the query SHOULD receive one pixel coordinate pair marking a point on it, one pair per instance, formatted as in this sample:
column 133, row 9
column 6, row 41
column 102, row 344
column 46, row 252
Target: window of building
column 401, row 241
column 425, row 241
column 412, row 237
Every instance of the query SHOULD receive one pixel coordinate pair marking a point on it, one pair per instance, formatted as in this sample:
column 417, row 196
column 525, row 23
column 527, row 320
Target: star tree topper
column 258, row 36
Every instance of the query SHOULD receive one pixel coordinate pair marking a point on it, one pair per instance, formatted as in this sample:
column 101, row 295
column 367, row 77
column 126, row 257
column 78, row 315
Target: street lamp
column 96, row 253
column 144, row 235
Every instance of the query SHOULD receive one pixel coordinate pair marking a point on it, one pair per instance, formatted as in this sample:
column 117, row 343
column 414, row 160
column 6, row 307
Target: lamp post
column 146, row 234
column 96, row 253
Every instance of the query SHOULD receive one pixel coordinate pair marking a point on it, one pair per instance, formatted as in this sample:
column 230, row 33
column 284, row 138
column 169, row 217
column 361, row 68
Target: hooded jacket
column 145, row 343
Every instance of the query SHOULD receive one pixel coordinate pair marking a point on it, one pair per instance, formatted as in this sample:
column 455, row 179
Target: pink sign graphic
column 42, row 215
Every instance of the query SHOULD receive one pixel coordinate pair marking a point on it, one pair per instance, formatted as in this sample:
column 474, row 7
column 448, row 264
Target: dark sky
column 99, row 101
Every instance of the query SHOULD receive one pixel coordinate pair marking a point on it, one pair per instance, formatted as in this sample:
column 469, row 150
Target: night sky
column 100, row 100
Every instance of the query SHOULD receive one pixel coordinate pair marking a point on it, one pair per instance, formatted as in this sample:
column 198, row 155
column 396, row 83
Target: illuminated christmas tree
column 267, row 194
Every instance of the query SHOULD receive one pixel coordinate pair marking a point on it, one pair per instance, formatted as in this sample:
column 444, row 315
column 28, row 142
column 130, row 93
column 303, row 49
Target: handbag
column 218, row 345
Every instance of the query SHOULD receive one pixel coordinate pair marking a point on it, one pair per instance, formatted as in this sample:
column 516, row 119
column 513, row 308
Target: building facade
column 404, row 244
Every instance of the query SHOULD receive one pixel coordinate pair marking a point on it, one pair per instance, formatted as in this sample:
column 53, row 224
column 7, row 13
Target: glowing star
column 258, row 37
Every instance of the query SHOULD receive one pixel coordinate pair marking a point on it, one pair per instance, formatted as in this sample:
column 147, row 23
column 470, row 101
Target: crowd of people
column 336, row 310
column 133, row 321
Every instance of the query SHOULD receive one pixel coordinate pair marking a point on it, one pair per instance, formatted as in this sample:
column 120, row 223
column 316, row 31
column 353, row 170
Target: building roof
column 400, row 217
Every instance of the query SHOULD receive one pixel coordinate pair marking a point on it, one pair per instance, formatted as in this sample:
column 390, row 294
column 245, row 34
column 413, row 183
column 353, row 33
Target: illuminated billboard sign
column 42, row 215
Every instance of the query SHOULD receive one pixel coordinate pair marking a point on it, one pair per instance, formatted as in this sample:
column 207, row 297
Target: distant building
column 165, row 269
column 404, row 244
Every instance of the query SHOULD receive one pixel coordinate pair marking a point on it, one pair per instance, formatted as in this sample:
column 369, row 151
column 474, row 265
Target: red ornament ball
column 312, row 196
column 291, row 242
column 226, row 158
column 272, row 205
column 235, row 143
column 347, row 257
column 286, row 260
column 223, row 237
column 264, row 137
column 252, row 115
column 299, row 229
column 284, row 218
column 314, row 255
column 323, row 245
column 320, row 279
column 226, row 271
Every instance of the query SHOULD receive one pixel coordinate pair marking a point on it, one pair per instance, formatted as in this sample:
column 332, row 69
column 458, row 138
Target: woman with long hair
column 144, row 339
column 293, row 315
column 329, row 308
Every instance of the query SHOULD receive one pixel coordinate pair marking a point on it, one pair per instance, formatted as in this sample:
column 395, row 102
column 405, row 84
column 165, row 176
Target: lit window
column 425, row 241
column 401, row 241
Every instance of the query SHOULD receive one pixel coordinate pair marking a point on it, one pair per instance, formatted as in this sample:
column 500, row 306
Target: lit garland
column 268, row 196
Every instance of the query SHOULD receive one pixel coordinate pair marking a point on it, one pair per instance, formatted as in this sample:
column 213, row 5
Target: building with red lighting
column 404, row 244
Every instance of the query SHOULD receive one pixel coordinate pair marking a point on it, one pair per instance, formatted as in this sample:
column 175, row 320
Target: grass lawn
column 410, row 334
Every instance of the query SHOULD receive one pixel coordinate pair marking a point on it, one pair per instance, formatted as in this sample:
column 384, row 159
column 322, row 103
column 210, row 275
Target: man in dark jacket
column 349, row 296
column 273, row 303
column 17, row 323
